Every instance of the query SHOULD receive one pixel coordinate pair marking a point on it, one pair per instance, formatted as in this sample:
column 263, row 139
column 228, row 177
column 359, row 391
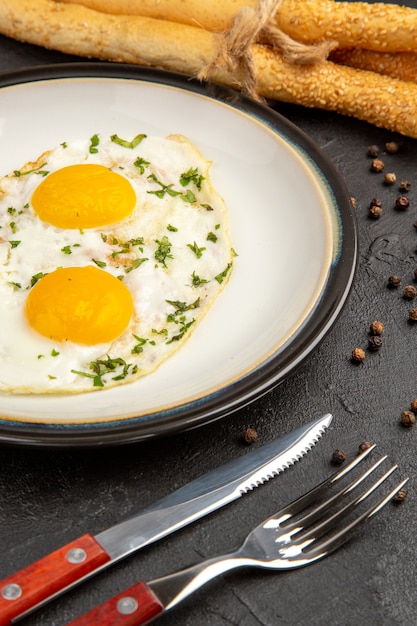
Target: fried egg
column 111, row 251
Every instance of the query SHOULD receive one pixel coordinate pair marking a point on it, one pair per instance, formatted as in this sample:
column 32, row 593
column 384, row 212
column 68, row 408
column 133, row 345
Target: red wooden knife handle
column 134, row 606
column 53, row 573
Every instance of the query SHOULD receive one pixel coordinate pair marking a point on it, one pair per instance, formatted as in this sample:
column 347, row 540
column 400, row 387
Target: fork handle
column 144, row 602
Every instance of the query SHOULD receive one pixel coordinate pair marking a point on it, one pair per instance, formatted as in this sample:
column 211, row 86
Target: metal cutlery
column 299, row 534
column 42, row 581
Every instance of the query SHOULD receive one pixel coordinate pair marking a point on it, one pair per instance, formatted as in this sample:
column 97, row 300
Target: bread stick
column 383, row 27
column 74, row 29
column 402, row 65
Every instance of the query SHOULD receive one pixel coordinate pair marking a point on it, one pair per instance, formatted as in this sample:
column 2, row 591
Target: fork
column 299, row 534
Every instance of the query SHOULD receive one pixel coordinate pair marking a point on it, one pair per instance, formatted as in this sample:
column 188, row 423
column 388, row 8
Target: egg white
column 196, row 268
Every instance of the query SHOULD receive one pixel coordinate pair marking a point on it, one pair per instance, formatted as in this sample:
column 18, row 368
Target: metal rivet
column 127, row 605
column 76, row 555
column 11, row 591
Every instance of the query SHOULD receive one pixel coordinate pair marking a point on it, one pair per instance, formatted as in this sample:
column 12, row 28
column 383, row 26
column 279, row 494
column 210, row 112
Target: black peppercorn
column 410, row 292
column 364, row 445
column 375, row 343
column 412, row 315
column 375, row 212
column 400, row 496
column 392, row 147
column 250, row 435
column 405, row 185
column 373, row 151
column 402, row 203
column 413, row 406
column 375, row 202
column 358, row 355
column 408, row 418
column 390, row 178
column 376, row 328
column 394, row 281
column 338, row 457
column 377, row 165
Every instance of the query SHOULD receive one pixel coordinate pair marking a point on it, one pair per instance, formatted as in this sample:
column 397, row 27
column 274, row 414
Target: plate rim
column 241, row 393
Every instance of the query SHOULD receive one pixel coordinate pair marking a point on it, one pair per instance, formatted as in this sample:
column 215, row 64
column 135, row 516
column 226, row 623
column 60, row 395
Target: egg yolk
column 83, row 196
column 85, row 305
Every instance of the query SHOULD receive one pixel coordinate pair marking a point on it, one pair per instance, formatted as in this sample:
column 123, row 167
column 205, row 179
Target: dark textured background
column 52, row 496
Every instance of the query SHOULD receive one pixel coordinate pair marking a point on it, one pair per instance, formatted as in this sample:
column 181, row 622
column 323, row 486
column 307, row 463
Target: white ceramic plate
column 291, row 223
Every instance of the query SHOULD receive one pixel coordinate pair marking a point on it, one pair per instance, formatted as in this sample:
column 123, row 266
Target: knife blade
column 38, row 583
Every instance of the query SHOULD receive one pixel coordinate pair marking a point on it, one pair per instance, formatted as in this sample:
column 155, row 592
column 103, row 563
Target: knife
column 38, row 583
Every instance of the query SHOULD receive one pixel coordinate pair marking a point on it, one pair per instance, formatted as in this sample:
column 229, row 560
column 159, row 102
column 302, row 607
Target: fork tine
column 338, row 539
column 318, row 510
column 303, row 501
column 322, row 527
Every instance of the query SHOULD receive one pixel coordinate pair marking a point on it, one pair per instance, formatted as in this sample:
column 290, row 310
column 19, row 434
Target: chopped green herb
column 212, row 237
column 196, row 281
column 171, row 228
column 138, row 348
column 11, row 210
column 135, row 264
column 13, row 227
column 14, row 244
column 36, row 170
column 196, row 249
column 54, row 352
column 35, row 278
column 163, row 251
column 15, row 285
column 184, row 326
column 94, row 142
column 189, row 196
column 99, row 263
column 220, row 277
column 181, row 307
column 140, row 164
column 106, row 366
column 64, row 144
column 233, row 251
column 104, row 237
column 217, row 227
column 207, row 207
column 192, row 176
column 51, row 377
column 128, row 144
column 66, row 250
column 41, row 356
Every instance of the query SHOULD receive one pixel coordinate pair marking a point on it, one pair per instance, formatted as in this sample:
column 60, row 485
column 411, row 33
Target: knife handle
column 132, row 607
column 40, row 581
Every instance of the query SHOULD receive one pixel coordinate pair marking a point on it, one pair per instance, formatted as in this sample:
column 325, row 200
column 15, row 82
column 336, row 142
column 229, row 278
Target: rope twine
column 253, row 25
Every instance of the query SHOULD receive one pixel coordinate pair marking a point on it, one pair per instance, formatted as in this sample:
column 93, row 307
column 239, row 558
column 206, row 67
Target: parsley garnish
column 94, row 142
column 128, row 144
column 211, row 237
column 220, row 277
column 196, row 249
column 135, row 264
column 99, row 263
column 163, row 251
column 35, row 278
column 140, row 163
column 192, row 176
column 36, row 170
column 66, row 250
column 107, row 366
column 14, row 244
column 181, row 307
column 196, row 281
column 167, row 189
column 15, row 285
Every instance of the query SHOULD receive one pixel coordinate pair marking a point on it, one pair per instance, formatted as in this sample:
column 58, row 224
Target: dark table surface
column 51, row 496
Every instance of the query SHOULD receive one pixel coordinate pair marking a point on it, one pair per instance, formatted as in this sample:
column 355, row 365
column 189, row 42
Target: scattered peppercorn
column 394, row 281
column 373, row 151
column 377, row 165
column 392, row 147
column 364, row 445
column 250, row 435
column 412, row 315
column 408, row 418
column 402, row 203
column 413, row 406
column 338, row 457
column 410, row 292
column 375, row 343
column 376, row 328
column 400, row 496
column 375, row 212
column 375, row 202
column 405, row 185
column 390, row 178
column 358, row 355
